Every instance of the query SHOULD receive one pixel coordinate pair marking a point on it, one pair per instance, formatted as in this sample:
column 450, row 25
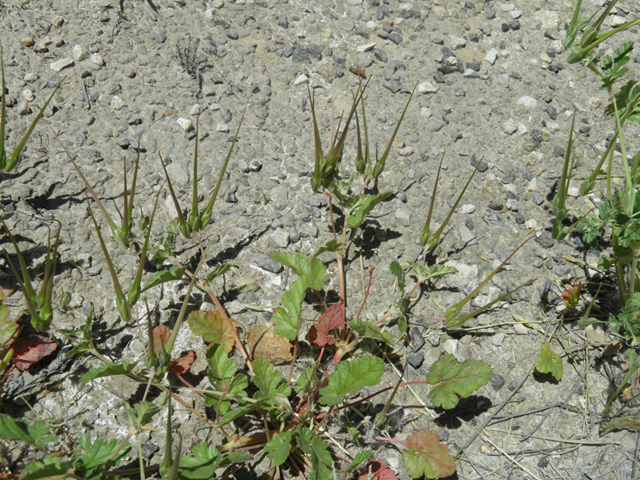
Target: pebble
column 497, row 381
column 301, row 79
column 267, row 263
column 434, row 339
column 23, row 108
column 457, row 42
column 545, row 239
column 366, row 47
column 527, row 101
column 97, row 59
column 61, row 64
column 510, row 127
column 185, row 124
column 27, row 95
column 531, row 223
column 417, row 340
column 451, row 346
column 467, row 209
column 281, row 238
column 79, row 53
column 490, row 13
column 222, row 128
column 498, row 339
column 520, row 329
column 415, row 359
column 404, row 216
column 116, row 102
column 427, row 87
column 27, row 41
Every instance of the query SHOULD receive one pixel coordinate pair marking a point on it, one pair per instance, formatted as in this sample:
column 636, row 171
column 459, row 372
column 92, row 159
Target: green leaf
column 350, row 377
column 360, row 206
column 202, row 465
column 221, row 270
column 278, row 447
column 48, row 468
column 426, row 456
column 320, row 459
column 37, row 434
column 549, row 362
column 629, row 318
column 287, row 317
column 434, row 272
column 367, row 330
column 213, row 328
column 330, row 246
column 268, row 379
column 222, row 376
column 397, row 272
column 453, row 380
column 303, row 266
column 167, row 275
column 358, row 459
column 108, row 369
column 97, row 455
column 142, row 413
column 239, row 412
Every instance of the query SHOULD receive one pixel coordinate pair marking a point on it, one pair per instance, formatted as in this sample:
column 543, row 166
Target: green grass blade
column 3, row 112
column 194, row 198
column 134, row 291
column 426, row 230
column 25, row 280
column 380, row 163
column 181, row 218
column 14, row 158
column 132, row 194
column 573, row 26
column 559, row 207
column 28, row 299
column 319, row 155
column 207, row 211
column 114, row 276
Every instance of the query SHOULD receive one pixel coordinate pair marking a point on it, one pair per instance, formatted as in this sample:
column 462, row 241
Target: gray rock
column 267, row 263
column 545, row 240
column 497, row 382
column 403, row 215
column 394, row 86
column 415, row 359
column 417, row 340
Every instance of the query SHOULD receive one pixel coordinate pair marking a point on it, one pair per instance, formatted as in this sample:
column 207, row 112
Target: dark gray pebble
column 545, row 240
column 490, row 13
column 394, row 86
column 380, row 54
column 497, row 381
column 415, row 359
column 395, row 37
column 483, row 165
column 497, row 206
column 417, row 340
column 267, row 263
column 552, row 112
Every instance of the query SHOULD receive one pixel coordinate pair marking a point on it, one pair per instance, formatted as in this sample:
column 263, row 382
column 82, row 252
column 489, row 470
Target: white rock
column 218, row 3
column 498, row 339
column 185, row 124
column 548, row 19
column 531, row 223
column 595, row 333
column 367, row 47
column 301, row 79
column 405, row 152
column 492, row 56
column 425, row 112
column 533, row 185
column 617, row 20
column 427, row 87
column 31, row 77
column 197, row 109
column 281, row 238
column 27, row 95
column 404, row 216
column 457, row 42
column 520, row 329
column 522, row 129
column 79, row 53
column 97, row 59
column 510, row 127
column 451, row 346
column 467, row 209
column 507, row 7
column 527, row 101
column 60, row 64
column 23, row 108
column 573, row 192
column 214, row 107
column 516, row 13
column 116, row 102
column 222, row 128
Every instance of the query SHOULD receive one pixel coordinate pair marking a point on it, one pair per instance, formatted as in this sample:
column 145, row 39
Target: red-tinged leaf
column 182, row 365
column 161, row 336
column 376, row 470
column 319, row 333
column 213, row 328
column 425, row 455
column 30, row 350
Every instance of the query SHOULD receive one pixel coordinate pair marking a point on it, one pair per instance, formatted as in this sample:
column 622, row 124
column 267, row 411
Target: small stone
column 96, row 59
column 544, row 56
column 404, row 216
column 27, row 41
column 434, row 339
column 498, row 339
column 264, row 342
column 366, row 47
column 231, row 197
column 617, row 20
column 491, row 56
column 573, row 192
column 510, row 127
column 512, row 205
column 394, row 86
column 527, row 101
column 490, row 14
column 427, row 87
column 538, row 198
column 595, row 333
column 135, row 119
column 301, row 79
column 23, row 108
column 531, row 223
column 27, row 95
column 457, row 42
column 159, row 36
column 61, row 64
column 497, row 381
column 79, row 53
column 417, row 340
column 281, row 238
column 415, row 359
column 405, row 152
column 267, row 263
column 380, row 55
column 520, row 329
column 545, row 239
column 395, row 37
column 222, row 128
column 467, row 209
column 185, row 124
column 294, row 235
column 197, row 109
column 116, row 102
column 451, row 346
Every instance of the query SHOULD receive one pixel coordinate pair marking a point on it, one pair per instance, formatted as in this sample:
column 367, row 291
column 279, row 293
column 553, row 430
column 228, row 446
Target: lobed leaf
column 278, row 447
column 301, row 265
column 213, row 328
column 453, row 380
column 100, row 453
column 36, row 434
column 366, row 330
column 360, row 206
column 108, row 369
column 350, row 377
column 320, row 332
column 222, row 376
column 30, row 350
column 202, row 465
column 426, row 456
column 549, row 362
column 287, row 317
column 268, row 379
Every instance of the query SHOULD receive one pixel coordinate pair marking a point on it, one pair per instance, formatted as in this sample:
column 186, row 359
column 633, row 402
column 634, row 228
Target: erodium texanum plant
column 286, row 414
